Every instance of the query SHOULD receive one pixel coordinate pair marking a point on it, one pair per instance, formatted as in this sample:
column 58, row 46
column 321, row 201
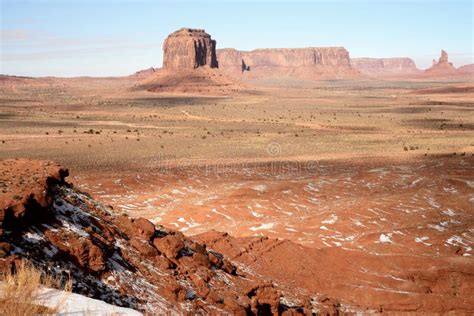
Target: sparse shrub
column 20, row 291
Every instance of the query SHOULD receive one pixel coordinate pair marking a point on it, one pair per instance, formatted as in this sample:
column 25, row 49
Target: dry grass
column 20, row 295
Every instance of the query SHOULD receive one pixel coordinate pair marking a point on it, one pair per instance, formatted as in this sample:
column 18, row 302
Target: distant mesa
column 298, row 63
column 385, row 66
column 466, row 69
column 192, row 64
column 189, row 48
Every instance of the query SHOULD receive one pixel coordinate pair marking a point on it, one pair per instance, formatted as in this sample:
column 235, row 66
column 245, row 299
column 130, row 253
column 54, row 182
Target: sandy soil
column 372, row 168
column 86, row 124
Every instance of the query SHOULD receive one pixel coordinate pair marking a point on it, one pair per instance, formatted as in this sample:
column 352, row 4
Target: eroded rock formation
column 189, row 66
column 297, row 63
column 132, row 262
column 442, row 67
column 384, row 66
column 189, row 48
column 116, row 258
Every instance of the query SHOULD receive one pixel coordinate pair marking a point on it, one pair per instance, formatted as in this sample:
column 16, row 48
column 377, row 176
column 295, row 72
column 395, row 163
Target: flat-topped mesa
column 285, row 57
column 312, row 63
column 189, row 49
column 398, row 65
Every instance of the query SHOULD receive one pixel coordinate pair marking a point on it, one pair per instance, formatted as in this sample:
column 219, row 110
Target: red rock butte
column 189, row 48
column 442, row 67
column 189, row 66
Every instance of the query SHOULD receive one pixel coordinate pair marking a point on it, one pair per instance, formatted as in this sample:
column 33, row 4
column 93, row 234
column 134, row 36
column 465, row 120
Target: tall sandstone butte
column 442, row 67
column 189, row 49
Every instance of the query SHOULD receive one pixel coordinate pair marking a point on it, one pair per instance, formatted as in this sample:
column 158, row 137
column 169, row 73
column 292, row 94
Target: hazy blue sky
column 105, row 37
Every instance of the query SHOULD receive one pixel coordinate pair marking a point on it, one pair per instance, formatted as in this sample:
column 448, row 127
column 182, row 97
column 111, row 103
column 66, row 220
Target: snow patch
column 387, row 239
column 262, row 226
column 449, row 212
column 260, row 188
column 76, row 304
column 331, row 220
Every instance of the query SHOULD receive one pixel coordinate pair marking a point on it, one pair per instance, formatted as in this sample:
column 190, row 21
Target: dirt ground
column 375, row 172
column 98, row 125
column 269, row 160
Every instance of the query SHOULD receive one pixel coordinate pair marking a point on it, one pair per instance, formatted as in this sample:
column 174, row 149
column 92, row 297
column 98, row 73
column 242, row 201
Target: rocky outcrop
column 122, row 260
column 466, row 69
column 297, row 63
column 384, row 66
column 189, row 66
column 189, row 48
column 24, row 194
column 443, row 67
column 443, row 58
column 388, row 285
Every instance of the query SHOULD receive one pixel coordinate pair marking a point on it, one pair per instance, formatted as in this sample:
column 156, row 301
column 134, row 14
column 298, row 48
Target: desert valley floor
column 375, row 169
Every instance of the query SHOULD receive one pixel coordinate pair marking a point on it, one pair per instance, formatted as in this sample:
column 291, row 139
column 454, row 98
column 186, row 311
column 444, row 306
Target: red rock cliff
column 189, row 48
column 384, row 65
column 286, row 57
column 300, row 63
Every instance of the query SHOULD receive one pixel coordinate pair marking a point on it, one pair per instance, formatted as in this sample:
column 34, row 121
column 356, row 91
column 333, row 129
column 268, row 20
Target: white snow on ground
column 262, row 226
column 73, row 304
column 459, row 241
column 33, row 237
column 456, row 240
column 225, row 215
column 255, row 214
column 385, row 238
column 449, row 212
column 421, row 239
column 260, row 188
column 331, row 220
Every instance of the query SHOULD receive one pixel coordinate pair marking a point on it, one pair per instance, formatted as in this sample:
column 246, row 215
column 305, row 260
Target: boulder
column 169, row 245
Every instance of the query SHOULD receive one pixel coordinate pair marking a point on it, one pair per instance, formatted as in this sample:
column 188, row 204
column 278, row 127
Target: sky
column 118, row 37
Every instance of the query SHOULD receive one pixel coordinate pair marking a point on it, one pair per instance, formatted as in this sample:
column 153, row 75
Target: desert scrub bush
column 20, row 291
